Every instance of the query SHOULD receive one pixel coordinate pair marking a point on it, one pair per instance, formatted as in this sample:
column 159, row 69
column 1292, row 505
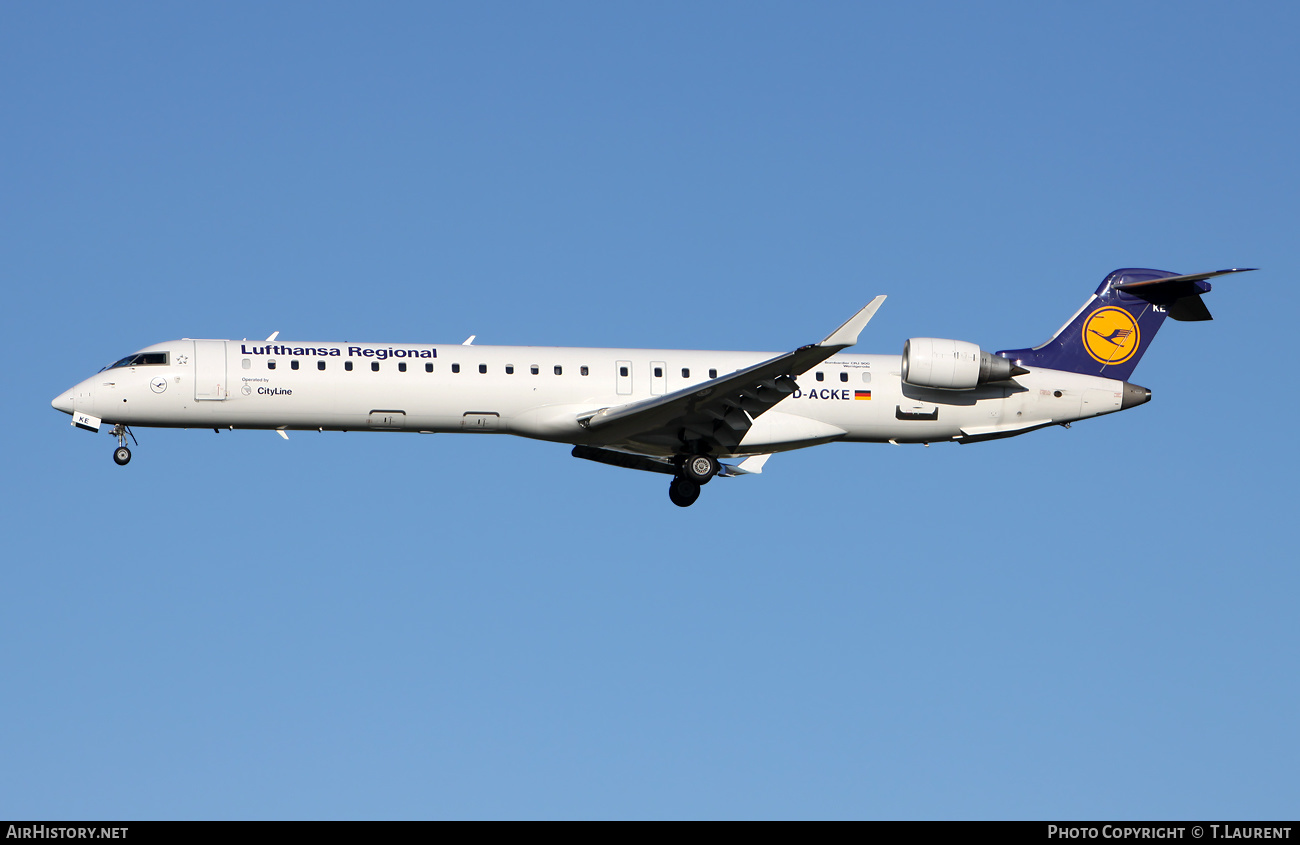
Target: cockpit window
column 140, row 359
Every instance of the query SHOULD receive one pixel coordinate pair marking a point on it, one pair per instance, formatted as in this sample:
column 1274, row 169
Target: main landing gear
column 122, row 455
column 683, row 492
column 693, row 472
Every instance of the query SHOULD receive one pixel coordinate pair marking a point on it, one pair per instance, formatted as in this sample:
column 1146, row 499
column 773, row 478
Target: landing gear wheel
column 700, row 468
column 122, row 455
column 683, row 492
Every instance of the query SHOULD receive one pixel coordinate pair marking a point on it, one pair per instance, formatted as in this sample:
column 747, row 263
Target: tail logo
column 1111, row 335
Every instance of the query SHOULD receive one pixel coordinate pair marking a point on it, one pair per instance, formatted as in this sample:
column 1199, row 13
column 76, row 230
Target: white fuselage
column 542, row 392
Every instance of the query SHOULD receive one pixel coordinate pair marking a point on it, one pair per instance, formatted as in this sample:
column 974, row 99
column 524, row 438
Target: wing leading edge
column 714, row 416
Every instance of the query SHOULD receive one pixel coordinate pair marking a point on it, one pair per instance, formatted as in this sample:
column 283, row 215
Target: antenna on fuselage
column 469, row 341
column 273, row 336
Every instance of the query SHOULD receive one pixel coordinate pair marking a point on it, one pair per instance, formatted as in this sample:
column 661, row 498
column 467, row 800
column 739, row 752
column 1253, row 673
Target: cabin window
column 320, row 365
column 583, row 371
column 559, row 371
column 401, row 366
column 844, row 376
column 659, row 372
column 713, row 373
column 347, row 365
column 622, row 372
column 534, row 369
column 374, row 366
column 482, row 368
column 428, row 368
column 455, row 368
column 686, row 372
column 821, row 377
column 247, row 364
column 270, row 365
column 293, row 365
column 510, row 369
column 866, row 377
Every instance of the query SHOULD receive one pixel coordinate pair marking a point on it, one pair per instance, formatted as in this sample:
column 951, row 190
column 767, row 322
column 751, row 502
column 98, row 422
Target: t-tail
column 1112, row 330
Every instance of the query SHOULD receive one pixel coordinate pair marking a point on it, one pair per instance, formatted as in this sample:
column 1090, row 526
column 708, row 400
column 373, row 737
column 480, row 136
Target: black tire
column 700, row 468
column 121, row 456
column 683, row 492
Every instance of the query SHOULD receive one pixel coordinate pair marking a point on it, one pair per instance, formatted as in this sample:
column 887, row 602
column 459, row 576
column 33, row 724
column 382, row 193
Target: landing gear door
column 209, row 369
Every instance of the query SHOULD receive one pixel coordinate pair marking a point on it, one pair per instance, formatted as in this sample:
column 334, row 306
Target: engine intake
column 953, row 364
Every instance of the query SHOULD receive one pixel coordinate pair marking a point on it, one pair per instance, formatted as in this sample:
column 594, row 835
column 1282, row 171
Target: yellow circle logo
column 1111, row 335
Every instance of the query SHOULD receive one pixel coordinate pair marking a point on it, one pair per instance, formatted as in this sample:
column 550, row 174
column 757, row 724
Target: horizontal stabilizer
column 1190, row 309
column 1169, row 281
column 1179, row 295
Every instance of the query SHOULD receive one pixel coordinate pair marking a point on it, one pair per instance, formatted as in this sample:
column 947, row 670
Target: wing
column 717, row 413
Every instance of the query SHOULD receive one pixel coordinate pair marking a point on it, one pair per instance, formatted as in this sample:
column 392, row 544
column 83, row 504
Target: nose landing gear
column 122, row 455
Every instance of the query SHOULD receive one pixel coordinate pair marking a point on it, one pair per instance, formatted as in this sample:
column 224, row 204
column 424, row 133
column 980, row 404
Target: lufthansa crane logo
column 158, row 385
column 1111, row 335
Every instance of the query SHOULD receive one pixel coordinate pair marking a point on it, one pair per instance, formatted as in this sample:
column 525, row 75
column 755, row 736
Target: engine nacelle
column 952, row 364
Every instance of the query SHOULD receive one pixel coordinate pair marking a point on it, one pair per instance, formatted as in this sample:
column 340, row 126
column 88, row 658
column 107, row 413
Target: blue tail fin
column 1112, row 330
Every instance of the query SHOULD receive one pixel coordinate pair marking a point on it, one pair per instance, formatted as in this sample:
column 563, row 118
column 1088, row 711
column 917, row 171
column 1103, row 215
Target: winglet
column 847, row 334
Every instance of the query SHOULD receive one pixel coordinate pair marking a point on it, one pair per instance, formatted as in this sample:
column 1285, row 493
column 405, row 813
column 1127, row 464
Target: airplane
column 693, row 415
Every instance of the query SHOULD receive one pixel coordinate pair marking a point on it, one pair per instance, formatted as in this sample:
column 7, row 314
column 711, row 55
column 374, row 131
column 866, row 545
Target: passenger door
column 209, row 369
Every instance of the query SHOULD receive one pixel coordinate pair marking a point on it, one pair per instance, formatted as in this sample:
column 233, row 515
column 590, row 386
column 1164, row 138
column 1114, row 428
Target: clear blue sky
column 1093, row 623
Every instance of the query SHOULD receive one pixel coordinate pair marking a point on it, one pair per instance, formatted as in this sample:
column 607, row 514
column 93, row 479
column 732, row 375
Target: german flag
column 862, row 394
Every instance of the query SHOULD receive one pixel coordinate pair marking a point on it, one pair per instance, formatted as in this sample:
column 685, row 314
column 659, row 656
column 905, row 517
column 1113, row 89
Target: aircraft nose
column 63, row 402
